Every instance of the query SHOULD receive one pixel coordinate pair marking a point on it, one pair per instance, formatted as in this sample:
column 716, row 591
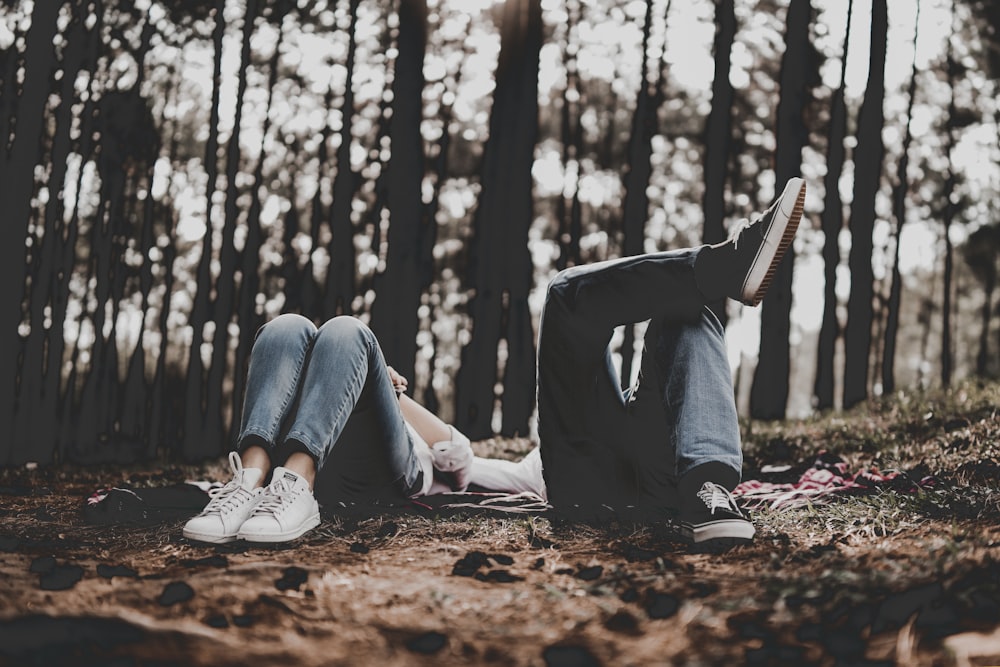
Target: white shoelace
column 227, row 498
column 717, row 497
column 278, row 495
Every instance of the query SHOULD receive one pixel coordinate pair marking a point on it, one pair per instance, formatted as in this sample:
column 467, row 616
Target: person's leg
column 349, row 417
column 347, row 420
column 581, row 410
column 278, row 356
column 278, row 359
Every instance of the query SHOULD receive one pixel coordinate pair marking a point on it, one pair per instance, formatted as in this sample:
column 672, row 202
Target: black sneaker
column 711, row 520
column 760, row 245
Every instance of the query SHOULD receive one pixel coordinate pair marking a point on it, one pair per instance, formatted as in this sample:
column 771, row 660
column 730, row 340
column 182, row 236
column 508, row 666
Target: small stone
column 110, row 571
column 42, row 565
column 174, row 592
column 569, row 656
column 498, row 577
column 661, row 605
column 60, row 578
column 429, row 642
column 291, row 578
column 590, row 573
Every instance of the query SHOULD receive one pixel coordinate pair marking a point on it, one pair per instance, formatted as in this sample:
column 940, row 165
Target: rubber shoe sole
column 779, row 236
column 297, row 532
column 718, row 536
column 205, row 537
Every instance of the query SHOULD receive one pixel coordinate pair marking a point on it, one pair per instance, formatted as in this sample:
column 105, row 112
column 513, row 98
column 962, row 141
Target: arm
column 427, row 424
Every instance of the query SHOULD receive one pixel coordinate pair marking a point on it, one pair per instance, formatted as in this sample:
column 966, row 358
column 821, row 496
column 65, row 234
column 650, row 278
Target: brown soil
column 383, row 590
column 893, row 578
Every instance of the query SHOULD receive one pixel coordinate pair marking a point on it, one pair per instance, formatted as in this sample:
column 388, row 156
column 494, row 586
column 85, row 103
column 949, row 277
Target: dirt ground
column 879, row 581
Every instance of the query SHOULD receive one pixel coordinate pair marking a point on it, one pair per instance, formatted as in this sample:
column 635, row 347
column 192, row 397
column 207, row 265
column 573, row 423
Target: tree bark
column 769, row 391
column 718, row 134
column 638, row 169
column 197, row 429
column 868, row 170
column 899, row 194
column 500, row 266
column 832, row 223
column 17, row 173
column 339, row 291
column 408, row 265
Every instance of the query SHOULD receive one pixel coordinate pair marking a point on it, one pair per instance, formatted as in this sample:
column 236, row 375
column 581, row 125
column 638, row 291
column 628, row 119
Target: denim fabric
column 328, row 390
column 600, row 445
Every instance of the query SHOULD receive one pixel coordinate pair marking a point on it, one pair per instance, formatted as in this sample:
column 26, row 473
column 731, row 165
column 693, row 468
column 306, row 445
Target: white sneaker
column 454, row 457
column 287, row 510
column 229, row 506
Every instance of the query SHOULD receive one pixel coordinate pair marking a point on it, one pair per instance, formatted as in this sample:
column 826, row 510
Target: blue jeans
column 327, row 390
column 602, row 445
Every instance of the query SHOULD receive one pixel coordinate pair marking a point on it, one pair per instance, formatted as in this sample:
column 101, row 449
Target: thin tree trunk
column 195, row 435
column 407, row 272
column 948, row 219
column 571, row 135
column 340, row 275
column 899, row 194
column 718, row 134
column 832, row 222
column 247, row 316
column 36, row 432
column 135, row 400
column 224, row 307
column 636, row 204
column 769, row 391
column 500, row 265
column 17, row 173
column 868, row 171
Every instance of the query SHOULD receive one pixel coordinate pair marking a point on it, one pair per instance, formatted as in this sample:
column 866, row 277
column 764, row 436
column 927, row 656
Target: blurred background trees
column 175, row 173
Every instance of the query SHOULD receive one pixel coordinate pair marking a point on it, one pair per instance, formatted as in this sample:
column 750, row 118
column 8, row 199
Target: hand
column 399, row 383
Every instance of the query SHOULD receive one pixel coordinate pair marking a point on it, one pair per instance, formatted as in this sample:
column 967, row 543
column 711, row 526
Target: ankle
column 709, row 270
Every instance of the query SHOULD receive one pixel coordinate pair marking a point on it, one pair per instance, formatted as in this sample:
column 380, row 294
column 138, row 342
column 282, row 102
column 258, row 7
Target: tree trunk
column 868, row 171
column 36, row 433
column 636, row 204
column 247, row 316
column 198, row 432
column 833, row 223
column 571, row 138
column 718, row 134
column 769, row 391
column 949, row 217
column 17, row 171
column 500, row 266
column 340, row 274
column 899, row 194
column 407, row 269
column 224, row 307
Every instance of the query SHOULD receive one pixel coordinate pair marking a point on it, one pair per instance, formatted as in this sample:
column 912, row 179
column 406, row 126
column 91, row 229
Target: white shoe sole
column 205, row 537
column 733, row 530
column 307, row 525
column 779, row 236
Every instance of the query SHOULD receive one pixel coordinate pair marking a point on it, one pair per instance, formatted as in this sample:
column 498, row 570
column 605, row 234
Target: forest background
column 176, row 173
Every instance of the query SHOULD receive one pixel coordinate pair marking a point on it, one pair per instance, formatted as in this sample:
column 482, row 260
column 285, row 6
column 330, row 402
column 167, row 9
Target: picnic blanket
column 829, row 478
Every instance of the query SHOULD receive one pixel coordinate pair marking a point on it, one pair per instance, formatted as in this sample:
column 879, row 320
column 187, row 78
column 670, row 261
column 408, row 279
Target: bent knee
column 286, row 324
column 345, row 328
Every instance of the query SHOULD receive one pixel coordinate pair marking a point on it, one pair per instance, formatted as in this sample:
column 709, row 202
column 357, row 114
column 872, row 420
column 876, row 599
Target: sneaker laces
column 279, row 494
column 232, row 494
column 741, row 226
column 717, row 497
column 227, row 498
